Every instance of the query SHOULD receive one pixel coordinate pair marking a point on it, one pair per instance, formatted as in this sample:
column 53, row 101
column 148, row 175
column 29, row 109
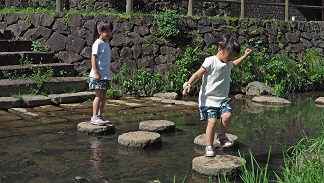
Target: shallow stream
column 50, row 149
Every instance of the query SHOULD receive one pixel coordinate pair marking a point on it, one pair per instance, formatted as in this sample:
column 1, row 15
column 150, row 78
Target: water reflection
column 96, row 158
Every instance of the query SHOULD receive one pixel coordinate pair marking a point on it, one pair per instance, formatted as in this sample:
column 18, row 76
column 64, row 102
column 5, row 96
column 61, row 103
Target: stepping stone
column 270, row 100
column 90, row 129
column 9, row 102
column 218, row 165
column 140, row 139
column 157, row 126
column 319, row 102
column 201, row 140
column 35, row 100
column 64, row 98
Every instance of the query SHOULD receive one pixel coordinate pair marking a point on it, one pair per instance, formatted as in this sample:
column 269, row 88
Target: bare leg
column 102, row 102
column 210, row 131
column 226, row 121
column 96, row 107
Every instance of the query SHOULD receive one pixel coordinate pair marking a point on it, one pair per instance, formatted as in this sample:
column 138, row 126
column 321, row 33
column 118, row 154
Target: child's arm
column 193, row 79
column 113, row 70
column 96, row 76
column 240, row 60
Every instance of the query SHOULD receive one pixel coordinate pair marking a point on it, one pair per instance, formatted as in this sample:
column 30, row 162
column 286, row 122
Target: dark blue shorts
column 207, row 112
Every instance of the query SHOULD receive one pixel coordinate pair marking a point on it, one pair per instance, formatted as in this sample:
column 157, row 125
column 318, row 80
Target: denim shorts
column 100, row 85
column 207, row 112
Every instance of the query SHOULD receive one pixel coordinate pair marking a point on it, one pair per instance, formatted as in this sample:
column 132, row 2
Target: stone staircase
column 18, row 63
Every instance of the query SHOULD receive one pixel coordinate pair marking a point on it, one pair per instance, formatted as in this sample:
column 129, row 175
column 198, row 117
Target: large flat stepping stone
column 320, row 101
column 71, row 97
column 15, row 45
column 271, row 100
column 59, row 69
column 140, row 139
column 53, row 85
column 9, row 102
column 201, row 140
column 90, row 129
column 157, row 126
column 218, row 165
column 35, row 100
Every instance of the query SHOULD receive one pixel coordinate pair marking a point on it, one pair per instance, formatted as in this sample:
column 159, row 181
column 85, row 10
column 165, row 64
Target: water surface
column 50, row 149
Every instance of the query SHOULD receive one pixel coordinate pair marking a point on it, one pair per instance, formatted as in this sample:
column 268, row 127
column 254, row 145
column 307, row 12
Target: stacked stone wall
column 138, row 42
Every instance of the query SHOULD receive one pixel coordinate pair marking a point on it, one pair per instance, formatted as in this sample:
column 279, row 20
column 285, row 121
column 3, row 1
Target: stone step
column 59, row 70
column 31, row 101
column 20, row 58
column 15, row 45
column 5, row 34
column 9, row 87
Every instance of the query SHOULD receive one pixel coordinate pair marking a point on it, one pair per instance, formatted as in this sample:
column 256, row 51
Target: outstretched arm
column 240, row 60
column 193, row 79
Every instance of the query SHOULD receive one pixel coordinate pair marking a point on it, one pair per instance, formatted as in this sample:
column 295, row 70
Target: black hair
column 230, row 43
column 101, row 26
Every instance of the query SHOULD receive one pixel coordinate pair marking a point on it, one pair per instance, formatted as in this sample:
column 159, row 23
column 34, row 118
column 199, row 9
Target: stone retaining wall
column 138, row 42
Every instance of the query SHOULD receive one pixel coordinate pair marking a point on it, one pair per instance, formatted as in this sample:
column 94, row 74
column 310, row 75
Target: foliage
column 38, row 74
column 41, row 3
column 307, row 162
column 282, row 72
column 41, row 75
column 256, row 174
column 138, row 82
column 114, row 92
column 185, row 67
column 169, row 23
column 40, row 47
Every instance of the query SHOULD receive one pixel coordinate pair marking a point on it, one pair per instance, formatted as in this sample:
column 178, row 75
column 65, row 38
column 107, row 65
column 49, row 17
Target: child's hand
column 96, row 77
column 186, row 90
column 247, row 52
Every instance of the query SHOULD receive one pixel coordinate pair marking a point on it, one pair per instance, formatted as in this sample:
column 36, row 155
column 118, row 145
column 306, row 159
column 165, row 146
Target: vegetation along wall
column 153, row 42
column 181, row 7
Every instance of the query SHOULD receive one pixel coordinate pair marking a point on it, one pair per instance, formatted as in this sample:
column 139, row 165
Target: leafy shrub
column 169, row 23
column 138, row 81
column 40, row 47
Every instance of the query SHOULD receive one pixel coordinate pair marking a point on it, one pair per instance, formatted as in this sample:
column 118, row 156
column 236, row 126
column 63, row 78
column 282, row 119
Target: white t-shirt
column 215, row 82
column 103, row 52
